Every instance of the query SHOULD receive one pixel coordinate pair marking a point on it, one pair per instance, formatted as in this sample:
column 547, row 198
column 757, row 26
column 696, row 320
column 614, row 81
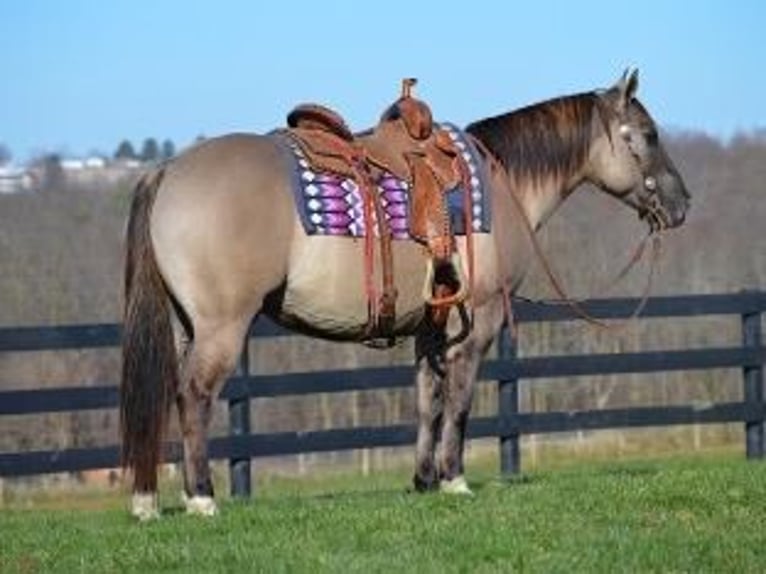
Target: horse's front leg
column 429, row 385
column 462, row 368
column 429, row 397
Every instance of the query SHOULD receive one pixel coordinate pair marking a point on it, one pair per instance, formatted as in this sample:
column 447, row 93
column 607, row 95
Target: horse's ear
column 626, row 88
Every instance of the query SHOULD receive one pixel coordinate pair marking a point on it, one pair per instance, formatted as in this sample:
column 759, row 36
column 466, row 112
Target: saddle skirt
column 331, row 202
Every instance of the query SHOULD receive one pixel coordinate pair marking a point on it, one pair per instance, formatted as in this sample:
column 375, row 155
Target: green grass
column 682, row 516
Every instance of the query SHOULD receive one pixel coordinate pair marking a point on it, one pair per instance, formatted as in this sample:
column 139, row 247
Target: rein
column 552, row 276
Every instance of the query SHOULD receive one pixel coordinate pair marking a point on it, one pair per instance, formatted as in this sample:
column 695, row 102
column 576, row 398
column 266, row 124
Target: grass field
column 681, row 516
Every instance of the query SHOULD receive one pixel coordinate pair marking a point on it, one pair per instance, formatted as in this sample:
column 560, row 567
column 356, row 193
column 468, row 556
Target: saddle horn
column 415, row 114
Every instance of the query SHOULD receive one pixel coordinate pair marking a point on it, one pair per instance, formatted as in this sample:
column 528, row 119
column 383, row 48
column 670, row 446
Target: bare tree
column 5, row 154
column 50, row 174
column 150, row 150
column 168, row 149
column 125, row 151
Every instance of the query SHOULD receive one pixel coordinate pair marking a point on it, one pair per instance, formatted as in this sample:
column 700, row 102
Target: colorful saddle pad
column 331, row 204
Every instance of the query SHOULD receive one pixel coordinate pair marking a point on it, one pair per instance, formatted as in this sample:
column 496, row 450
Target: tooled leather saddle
column 405, row 144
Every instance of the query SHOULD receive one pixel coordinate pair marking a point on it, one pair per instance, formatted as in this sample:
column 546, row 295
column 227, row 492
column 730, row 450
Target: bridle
column 645, row 198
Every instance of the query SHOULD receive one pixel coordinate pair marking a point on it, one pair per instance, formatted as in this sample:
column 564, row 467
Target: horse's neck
column 545, row 148
column 540, row 197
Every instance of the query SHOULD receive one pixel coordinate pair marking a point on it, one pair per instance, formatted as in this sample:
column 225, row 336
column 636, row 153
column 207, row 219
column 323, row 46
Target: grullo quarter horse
column 214, row 239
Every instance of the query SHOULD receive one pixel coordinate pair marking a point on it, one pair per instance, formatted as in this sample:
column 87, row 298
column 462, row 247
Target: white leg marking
column 457, row 485
column 144, row 506
column 200, row 505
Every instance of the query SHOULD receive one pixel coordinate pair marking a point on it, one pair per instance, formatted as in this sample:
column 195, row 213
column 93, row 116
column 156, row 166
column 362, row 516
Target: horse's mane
column 547, row 139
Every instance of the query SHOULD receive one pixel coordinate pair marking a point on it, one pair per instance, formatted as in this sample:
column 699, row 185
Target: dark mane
column 547, row 139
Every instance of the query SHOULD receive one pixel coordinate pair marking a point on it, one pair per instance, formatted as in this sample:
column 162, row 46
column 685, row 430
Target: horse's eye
column 652, row 138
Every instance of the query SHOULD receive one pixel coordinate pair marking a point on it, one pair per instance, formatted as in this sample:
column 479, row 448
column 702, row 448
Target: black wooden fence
column 507, row 369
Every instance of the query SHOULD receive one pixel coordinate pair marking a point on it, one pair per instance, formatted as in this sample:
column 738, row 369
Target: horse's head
column 630, row 162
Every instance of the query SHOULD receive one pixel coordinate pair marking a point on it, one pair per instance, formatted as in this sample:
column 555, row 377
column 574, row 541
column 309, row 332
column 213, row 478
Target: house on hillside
column 14, row 179
column 96, row 171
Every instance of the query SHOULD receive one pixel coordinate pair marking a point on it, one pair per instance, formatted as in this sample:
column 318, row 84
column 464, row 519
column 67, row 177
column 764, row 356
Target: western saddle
column 406, row 144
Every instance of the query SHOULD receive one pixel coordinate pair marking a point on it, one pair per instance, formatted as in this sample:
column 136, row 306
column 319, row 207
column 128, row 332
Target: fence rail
column 507, row 370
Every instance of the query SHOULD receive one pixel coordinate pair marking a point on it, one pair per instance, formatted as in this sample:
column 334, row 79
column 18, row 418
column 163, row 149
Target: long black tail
column 149, row 362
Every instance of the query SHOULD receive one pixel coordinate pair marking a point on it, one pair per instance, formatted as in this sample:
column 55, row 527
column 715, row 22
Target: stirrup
column 458, row 297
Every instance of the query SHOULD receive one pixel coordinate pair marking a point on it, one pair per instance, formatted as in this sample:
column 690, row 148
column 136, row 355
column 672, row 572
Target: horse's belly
column 326, row 289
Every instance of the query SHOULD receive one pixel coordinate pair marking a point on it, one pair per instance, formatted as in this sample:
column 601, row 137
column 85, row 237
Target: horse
column 213, row 241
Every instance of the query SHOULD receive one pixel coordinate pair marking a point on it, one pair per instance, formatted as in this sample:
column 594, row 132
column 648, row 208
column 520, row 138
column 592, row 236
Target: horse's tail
column 149, row 362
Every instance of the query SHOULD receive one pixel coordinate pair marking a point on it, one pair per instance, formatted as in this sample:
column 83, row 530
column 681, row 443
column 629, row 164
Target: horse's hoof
column 457, row 485
column 144, row 506
column 200, row 505
column 423, row 485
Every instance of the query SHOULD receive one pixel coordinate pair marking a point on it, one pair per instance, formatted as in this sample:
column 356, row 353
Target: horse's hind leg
column 209, row 358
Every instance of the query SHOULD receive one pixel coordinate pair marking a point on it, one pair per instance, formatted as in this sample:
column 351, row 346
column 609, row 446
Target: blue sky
column 79, row 76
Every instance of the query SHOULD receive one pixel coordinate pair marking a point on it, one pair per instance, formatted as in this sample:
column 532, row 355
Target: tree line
column 151, row 150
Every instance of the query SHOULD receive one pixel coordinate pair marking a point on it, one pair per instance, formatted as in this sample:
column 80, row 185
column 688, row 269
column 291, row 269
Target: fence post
column 508, row 406
column 239, row 425
column 753, row 381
